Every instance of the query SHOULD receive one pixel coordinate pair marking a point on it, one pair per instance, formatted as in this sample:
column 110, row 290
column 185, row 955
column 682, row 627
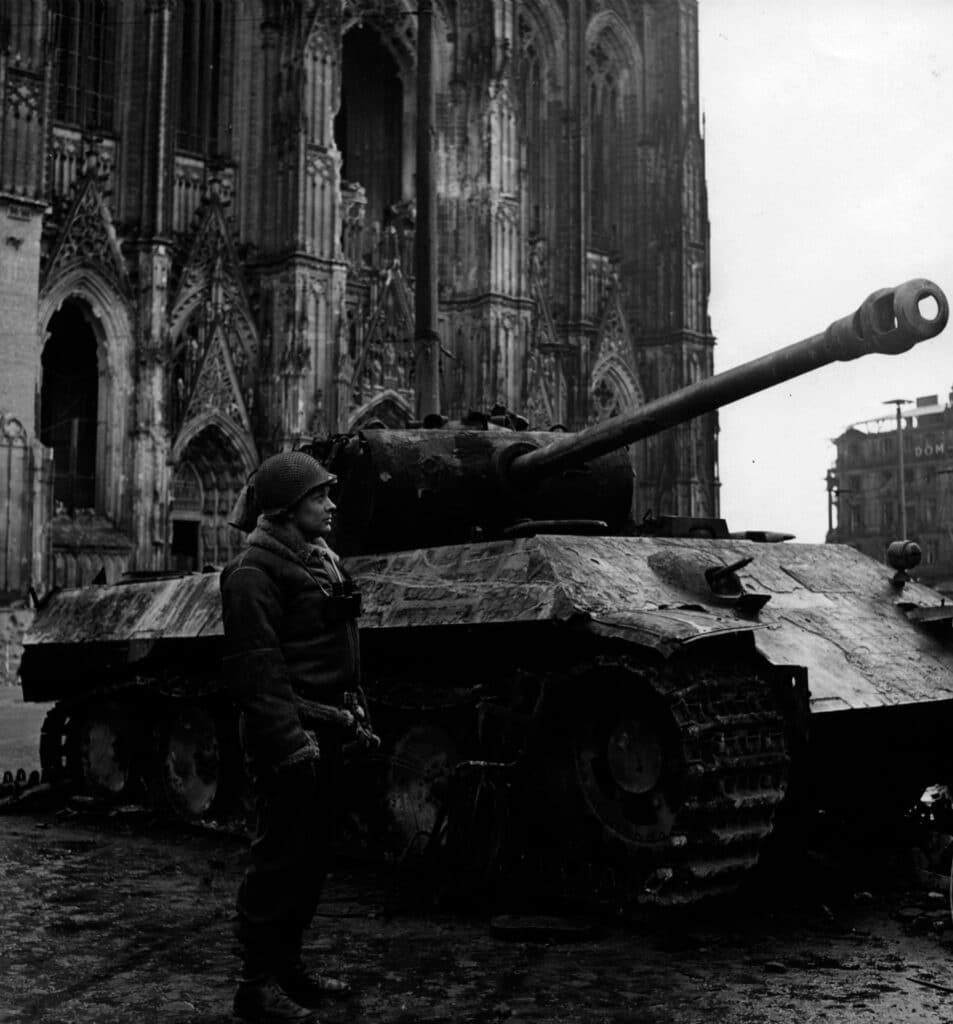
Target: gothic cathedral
column 207, row 229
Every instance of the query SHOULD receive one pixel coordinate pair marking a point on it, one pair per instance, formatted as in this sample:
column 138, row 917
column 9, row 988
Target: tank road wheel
column 100, row 745
column 421, row 764
column 54, row 747
column 678, row 770
column 630, row 765
column 190, row 762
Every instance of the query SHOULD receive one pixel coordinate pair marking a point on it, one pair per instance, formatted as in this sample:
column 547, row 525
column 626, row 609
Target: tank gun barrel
column 890, row 321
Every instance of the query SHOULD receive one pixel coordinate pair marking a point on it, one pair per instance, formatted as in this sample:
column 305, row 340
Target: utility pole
column 902, row 489
column 426, row 339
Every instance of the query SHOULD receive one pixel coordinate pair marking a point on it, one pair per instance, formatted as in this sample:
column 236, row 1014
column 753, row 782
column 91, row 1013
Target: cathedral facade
column 207, row 228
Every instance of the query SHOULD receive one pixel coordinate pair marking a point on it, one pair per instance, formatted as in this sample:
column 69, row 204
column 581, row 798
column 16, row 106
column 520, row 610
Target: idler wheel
column 190, row 764
column 101, row 749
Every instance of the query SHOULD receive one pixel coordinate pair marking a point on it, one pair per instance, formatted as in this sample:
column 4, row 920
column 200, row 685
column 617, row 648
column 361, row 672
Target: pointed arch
column 548, row 25
column 541, row 39
column 390, row 408
column 214, row 344
column 393, row 21
column 213, row 418
column 615, row 71
column 87, row 239
column 212, row 274
column 112, row 321
column 544, row 389
column 384, row 357
column 614, row 382
column 211, row 462
column 617, row 37
column 614, row 390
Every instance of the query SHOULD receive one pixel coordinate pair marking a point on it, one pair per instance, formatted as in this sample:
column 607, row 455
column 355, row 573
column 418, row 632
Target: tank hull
column 588, row 709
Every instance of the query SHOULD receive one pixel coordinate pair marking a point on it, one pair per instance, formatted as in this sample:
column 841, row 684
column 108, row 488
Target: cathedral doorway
column 367, row 128
column 69, row 406
column 206, row 482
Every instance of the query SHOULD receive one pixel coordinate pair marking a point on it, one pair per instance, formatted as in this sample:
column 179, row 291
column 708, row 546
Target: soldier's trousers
column 290, row 854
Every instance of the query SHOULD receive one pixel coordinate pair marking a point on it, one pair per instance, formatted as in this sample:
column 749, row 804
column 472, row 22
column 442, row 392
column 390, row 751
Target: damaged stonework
column 14, row 623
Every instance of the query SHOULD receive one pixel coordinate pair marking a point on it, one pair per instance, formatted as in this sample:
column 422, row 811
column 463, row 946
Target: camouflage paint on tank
column 831, row 609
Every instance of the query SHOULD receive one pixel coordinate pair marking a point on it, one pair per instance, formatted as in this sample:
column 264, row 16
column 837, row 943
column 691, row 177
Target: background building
column 206, row 235
column 864, row 490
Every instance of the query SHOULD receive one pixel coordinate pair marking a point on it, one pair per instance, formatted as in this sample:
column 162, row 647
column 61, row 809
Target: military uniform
column 292, row 664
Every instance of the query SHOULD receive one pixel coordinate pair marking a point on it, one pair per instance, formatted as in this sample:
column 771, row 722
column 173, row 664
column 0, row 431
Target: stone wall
column 14, row 622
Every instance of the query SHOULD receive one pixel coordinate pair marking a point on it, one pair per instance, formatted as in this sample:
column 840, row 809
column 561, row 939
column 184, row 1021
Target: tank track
column 530, row 817
column 734, row 733
column 731, row 720
column 147, row 696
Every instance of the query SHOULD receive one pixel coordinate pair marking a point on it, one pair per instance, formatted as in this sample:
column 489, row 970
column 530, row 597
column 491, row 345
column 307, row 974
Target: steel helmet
column 282, row 480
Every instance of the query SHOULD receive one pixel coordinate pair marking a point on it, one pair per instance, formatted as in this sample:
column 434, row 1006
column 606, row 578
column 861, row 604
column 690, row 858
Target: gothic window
column 69, row 396
column 186, row 490
column 199, row 75
column 367, row 128
column 604, row 154
column 84, row 70
column 531, row 115
column 605, row 400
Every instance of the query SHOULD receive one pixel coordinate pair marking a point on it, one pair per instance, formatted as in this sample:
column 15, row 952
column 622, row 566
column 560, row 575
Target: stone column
column 151, row 445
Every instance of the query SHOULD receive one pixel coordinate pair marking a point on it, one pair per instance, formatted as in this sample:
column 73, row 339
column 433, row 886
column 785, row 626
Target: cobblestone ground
column 121, row 920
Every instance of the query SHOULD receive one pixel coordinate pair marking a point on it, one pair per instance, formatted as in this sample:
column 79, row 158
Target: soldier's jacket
column 284, row 635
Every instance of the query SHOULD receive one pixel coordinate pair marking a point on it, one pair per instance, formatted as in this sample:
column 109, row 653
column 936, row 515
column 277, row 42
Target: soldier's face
column 314, row 514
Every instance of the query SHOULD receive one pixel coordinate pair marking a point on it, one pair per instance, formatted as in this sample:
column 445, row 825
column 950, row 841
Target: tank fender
column 664, row 630
column 935, row 620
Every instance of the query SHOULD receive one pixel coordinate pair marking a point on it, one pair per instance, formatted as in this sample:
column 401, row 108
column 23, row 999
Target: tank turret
column 407, row 489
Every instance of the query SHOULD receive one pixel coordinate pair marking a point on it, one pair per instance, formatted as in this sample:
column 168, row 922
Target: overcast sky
column 829, row 141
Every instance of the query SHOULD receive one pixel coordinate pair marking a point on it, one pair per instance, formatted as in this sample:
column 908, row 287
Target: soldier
column 292, row 662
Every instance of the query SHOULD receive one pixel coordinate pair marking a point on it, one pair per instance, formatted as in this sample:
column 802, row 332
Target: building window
column 605, row 156
column 69, row 399
column 367, row 128
column 84, row 71
column 199, row 75
column 534, row 129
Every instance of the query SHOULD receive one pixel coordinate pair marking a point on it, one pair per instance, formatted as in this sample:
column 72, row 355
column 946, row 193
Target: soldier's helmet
column 282, row 480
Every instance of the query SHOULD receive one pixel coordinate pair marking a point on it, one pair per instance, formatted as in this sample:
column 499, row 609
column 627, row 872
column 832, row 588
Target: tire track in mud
column 92, row 905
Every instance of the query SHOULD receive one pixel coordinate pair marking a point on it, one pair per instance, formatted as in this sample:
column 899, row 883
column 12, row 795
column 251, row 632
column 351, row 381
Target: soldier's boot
column 308, row 989
column 262, row 1000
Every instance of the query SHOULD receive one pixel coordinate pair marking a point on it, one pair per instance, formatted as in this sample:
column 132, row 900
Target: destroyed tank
column 608, row 706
